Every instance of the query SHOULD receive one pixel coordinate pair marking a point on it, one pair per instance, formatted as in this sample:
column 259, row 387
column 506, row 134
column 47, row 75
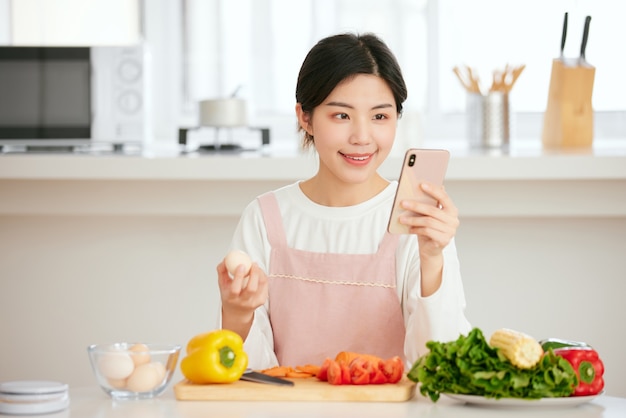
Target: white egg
column 160, row 368
column 116, row 366
column 139, row 354
column 144, row 379
column 236, row 258
column 117, row 383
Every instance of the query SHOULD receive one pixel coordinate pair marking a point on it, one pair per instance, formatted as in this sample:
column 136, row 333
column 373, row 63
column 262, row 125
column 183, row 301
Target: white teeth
column 357, row 158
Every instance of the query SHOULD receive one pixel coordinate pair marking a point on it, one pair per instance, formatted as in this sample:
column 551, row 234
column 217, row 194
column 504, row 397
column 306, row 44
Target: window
column 255, row 48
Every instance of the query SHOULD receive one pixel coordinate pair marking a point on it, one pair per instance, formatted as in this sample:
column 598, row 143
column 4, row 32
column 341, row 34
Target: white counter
column 524, row 181
column 92, row 402
column 606, row 160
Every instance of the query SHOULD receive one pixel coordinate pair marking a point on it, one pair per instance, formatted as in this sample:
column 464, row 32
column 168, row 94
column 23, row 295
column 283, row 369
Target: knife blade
column 252, row 376
column 564, row 34
column 583, row 45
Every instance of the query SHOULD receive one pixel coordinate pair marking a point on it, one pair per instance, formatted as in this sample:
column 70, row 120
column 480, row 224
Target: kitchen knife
column 583, row 45
column 252, row 376
column 564, row 35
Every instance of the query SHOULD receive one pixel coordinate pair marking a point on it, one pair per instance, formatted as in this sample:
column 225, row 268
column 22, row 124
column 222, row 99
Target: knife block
column 568, row 120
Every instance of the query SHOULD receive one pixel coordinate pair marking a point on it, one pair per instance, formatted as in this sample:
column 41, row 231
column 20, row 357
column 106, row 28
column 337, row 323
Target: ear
column 304, row 119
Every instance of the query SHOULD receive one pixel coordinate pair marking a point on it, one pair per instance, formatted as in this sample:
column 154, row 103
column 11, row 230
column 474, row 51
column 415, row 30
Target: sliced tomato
column 377, row 377
column 323, row 372
column 360, row 371
column 393, row 368
column 345, row 374
column 335, row 373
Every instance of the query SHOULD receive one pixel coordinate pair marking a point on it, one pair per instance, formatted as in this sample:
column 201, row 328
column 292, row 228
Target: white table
column 92, row 402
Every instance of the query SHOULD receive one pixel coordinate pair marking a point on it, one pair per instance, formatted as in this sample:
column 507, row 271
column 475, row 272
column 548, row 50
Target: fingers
column 439, row 194
column 436, row 223
column 443, row 202
column 223, row 277
column 240, row 282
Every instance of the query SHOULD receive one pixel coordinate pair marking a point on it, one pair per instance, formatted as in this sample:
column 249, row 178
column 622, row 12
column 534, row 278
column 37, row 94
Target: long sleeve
column 440, row 316
column 250, row 237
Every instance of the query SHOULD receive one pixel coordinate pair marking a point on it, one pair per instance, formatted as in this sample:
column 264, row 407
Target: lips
column 357, row 159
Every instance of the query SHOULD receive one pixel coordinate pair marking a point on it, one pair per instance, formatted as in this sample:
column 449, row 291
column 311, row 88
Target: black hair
column 340, row 57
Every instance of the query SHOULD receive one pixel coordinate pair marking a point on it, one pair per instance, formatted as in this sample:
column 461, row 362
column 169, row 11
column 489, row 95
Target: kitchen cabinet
column 70, row 22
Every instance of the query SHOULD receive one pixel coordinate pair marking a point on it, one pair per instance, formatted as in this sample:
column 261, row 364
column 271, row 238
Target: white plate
column 543, row 402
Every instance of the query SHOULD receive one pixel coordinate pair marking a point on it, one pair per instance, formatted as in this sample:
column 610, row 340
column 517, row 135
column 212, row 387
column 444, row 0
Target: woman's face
column 354, row 128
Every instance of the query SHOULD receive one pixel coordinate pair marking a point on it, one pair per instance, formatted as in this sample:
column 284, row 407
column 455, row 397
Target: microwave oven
column 69, row 96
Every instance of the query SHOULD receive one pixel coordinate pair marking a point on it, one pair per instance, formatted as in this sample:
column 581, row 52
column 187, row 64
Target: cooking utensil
column 469, row 80
column 515, row 73
column 464, row 83
column 252, row 376
column 583, row 45
column 497, row 84
column 564, row 35
column 474, row 80
column 503, row 81
column 569, row 116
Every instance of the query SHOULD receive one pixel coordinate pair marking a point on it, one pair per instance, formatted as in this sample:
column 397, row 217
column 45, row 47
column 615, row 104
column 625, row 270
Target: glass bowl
column 133, row 370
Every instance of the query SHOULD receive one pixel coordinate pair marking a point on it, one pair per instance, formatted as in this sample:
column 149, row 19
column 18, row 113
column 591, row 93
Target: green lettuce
column 471, row 366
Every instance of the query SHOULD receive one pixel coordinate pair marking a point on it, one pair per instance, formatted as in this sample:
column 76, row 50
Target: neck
column 338, row 194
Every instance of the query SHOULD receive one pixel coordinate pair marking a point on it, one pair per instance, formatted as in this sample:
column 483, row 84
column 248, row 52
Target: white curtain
column 256, row 47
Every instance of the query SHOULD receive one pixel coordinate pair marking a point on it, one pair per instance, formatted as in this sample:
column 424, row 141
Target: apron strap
column 276, row 232
column 388, row 244
column 272, row 219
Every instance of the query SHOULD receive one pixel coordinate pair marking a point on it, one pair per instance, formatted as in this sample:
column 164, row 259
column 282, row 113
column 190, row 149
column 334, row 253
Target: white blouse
column 354, row 229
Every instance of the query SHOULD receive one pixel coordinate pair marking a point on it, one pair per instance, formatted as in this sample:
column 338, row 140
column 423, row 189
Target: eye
column 380, row 116
column 341, row 116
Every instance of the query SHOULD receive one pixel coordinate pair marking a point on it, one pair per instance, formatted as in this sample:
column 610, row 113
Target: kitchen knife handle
column 564, row 34
column 583, row 45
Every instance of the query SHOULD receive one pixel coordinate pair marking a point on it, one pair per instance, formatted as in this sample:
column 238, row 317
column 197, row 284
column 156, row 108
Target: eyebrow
column 341, row 104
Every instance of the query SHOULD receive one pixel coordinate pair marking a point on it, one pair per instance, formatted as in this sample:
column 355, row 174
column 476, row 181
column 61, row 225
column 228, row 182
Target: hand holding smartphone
column 419, row 166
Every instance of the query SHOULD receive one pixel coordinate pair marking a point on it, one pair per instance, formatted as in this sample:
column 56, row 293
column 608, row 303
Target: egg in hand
column 234, row 259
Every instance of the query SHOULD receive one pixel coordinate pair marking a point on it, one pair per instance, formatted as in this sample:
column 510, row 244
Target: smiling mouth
column 357, row 157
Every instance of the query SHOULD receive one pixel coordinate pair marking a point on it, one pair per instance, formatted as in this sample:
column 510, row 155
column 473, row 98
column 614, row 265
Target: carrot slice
column 277, row 371
column 346, row 357
column 312, row 369
column 297, row 374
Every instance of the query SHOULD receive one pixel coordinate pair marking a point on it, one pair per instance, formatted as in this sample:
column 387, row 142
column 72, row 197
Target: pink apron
column 321, row 303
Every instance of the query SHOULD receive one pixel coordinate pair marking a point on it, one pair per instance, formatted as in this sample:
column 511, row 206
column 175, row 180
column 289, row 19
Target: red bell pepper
column 588, row 367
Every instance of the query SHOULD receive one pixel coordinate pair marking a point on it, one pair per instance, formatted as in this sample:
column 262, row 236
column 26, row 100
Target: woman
column 327, row 276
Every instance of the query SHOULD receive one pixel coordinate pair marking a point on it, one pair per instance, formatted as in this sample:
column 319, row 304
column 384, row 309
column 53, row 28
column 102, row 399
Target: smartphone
column 419, row 165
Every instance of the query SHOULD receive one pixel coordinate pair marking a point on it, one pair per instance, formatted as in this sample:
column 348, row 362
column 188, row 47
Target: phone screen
column 419, row 165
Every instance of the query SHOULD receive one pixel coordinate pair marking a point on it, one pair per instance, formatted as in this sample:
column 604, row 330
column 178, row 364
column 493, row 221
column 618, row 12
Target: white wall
column 5, row 23
column 70, row 22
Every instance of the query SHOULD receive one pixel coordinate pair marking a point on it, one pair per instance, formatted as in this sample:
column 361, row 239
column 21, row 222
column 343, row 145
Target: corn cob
column 522, row 350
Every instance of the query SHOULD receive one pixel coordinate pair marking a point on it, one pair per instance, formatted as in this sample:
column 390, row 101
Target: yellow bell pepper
column 214, row 357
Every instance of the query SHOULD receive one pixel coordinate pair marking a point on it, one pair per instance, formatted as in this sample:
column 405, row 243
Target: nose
column 361, row 134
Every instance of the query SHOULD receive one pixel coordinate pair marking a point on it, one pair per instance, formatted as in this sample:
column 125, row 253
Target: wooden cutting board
column 307, row 389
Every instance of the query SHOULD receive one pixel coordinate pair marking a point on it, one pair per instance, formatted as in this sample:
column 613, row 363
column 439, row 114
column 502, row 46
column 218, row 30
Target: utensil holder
column 568, row 120
column 488, row 120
